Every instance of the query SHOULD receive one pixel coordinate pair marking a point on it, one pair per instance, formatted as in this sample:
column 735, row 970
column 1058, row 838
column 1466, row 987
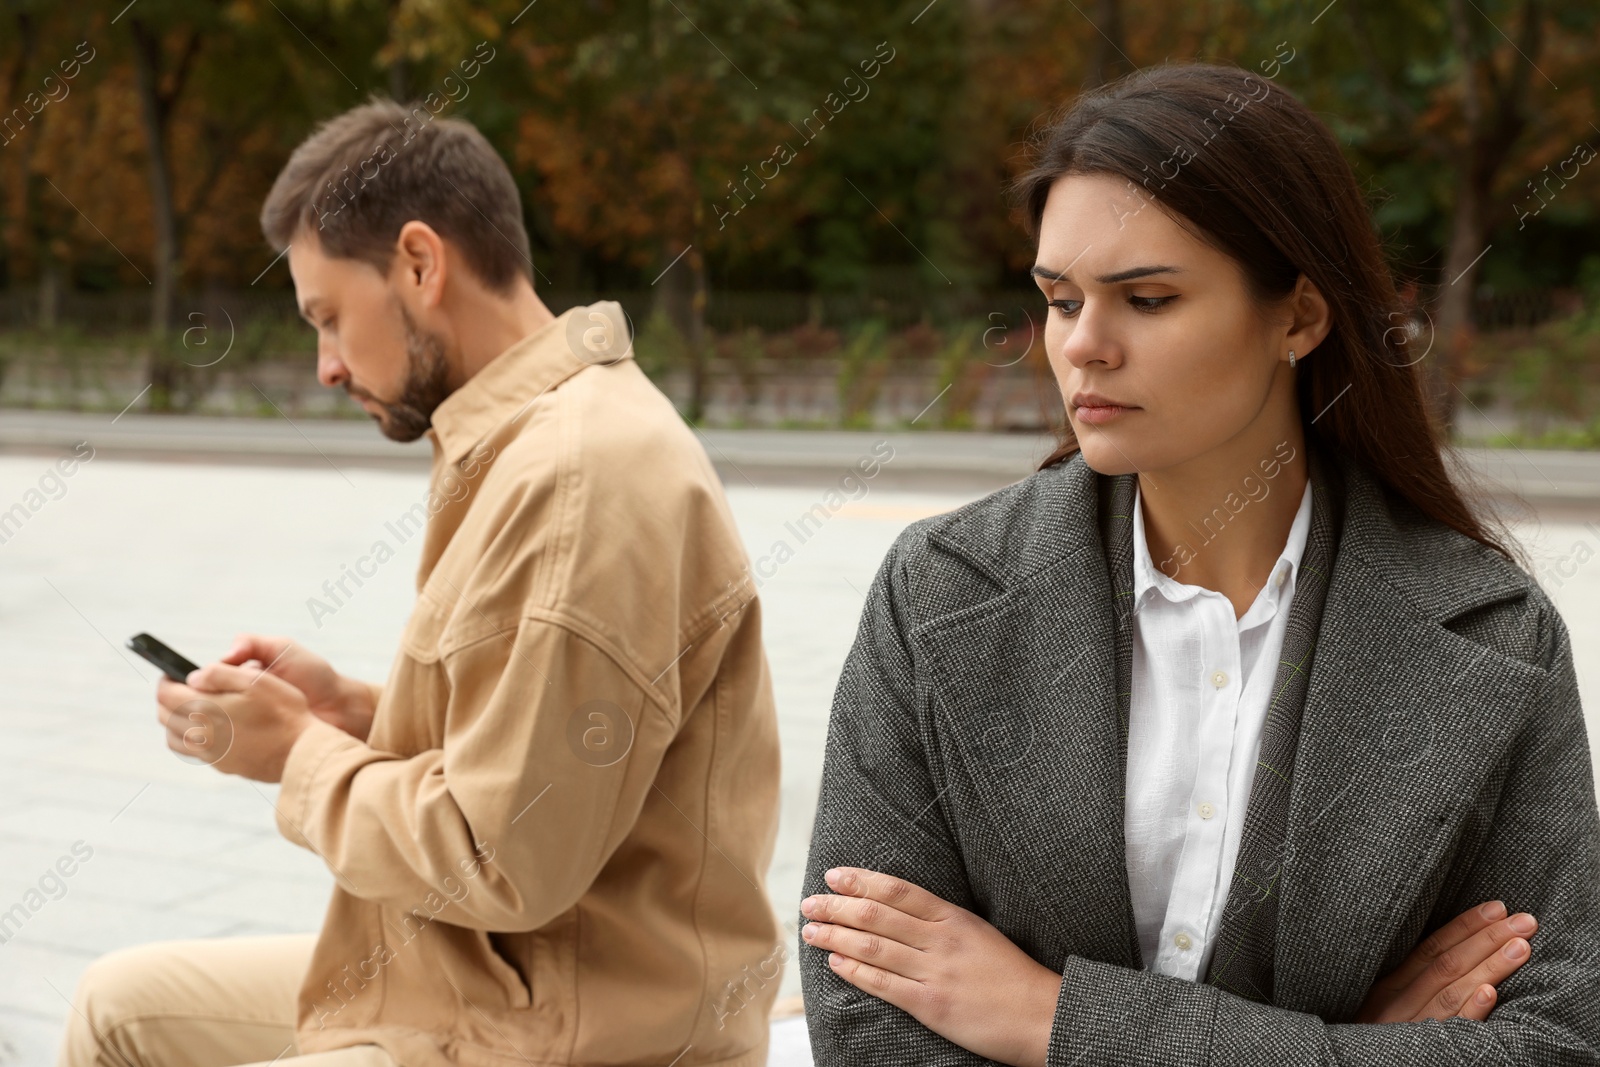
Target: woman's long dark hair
column 1265, row 182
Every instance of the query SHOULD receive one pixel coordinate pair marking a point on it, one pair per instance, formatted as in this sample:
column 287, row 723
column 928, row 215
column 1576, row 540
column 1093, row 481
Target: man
column 549, row 830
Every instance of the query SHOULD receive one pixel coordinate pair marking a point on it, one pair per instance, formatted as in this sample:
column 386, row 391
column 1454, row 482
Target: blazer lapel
column 1394, row 743
column 1026, row 684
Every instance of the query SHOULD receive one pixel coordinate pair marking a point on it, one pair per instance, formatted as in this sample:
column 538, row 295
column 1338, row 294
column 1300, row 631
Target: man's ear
column 420, row 265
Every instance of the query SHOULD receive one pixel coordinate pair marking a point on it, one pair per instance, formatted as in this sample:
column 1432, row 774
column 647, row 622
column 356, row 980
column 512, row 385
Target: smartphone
column 172, row 665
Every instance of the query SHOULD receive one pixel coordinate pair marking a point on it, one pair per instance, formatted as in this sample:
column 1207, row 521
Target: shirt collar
column 1147, row 576
column 507, row 385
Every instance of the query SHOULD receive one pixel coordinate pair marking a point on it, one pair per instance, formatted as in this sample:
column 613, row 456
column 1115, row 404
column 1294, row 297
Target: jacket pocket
column 469, row 961
column 506, row 955
column 424, row 630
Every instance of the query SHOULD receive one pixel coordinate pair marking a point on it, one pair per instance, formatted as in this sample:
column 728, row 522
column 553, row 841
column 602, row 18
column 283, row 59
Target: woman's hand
column 942, row 965
column 1455, row 970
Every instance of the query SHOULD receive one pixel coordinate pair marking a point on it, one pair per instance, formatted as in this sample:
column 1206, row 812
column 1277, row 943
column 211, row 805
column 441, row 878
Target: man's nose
column 330, row 368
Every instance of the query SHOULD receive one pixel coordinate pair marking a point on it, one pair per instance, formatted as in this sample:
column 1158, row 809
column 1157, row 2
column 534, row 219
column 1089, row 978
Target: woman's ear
column 1310, row 318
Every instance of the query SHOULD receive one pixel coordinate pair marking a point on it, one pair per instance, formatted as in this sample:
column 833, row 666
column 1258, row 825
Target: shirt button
column 1182, row 941
column 1206, row 810
column 1219, row 679
column 1283, row 576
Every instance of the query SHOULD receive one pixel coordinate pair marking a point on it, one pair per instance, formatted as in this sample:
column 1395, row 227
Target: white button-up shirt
column 1202, row 682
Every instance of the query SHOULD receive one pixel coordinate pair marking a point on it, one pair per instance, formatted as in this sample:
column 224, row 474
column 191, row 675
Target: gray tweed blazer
column 1443, row 761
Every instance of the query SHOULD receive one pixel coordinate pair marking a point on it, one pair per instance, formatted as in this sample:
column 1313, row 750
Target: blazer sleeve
column 1542, row 856
column 877, row 809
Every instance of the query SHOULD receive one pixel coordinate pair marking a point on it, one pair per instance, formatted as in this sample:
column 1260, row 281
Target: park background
column 867, row 284
column 800, row 205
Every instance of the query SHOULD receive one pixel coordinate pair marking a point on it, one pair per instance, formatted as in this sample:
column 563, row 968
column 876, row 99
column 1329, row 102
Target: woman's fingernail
column 808, row 931
column 1495, row 909
column 1516, row 949
column 1484, row 995
column 1523, row 923
column 806, row 905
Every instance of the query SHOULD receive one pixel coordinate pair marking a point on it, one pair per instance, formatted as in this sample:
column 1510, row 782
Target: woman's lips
column 1097, row 415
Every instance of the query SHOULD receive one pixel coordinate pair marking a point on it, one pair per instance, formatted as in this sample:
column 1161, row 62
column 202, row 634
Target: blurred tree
column 648, row 128
column 1454, row 102
column 668, row 145
column 1109, row 59
column 47, row 80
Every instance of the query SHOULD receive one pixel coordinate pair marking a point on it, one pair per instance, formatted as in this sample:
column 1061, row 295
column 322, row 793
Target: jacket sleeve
column 510, row 819
column 1542, row 856
column 877, row 809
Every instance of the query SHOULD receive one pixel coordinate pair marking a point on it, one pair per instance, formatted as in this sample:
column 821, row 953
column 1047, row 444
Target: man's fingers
column 887, row 889
column 171, row 695
column 1448, row 936
column 222, row 677
column 255, row 646
column 199, row 728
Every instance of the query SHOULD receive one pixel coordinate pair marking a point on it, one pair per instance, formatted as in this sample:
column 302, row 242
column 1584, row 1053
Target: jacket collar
column 1403, row 724
column 1423, row 561
column 505, row 387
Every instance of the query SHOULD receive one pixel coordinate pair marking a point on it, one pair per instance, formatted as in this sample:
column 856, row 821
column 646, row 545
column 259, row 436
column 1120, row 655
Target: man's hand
column 1455, row 970
column 941, row 964
column 238, row 719
column 333, row 698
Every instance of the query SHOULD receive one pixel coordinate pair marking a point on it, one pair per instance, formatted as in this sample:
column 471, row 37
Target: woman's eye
column 1069, row 308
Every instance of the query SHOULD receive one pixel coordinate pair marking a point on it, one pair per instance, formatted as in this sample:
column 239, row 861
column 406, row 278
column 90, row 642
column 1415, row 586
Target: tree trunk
column 49, row 291
column 153, row 113
column 397, row 69
column 1108, row 60
column 153, row 118
column 1453, row 325
column 681, row 297
column 1494, row 121
column 397, row 81
column 699, row 358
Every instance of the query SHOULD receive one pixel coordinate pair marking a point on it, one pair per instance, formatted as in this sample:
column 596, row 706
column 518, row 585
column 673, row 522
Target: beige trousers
column 218, row 1002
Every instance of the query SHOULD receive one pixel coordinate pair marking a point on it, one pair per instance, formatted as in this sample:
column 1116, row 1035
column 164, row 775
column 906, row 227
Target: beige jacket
column 553, row 847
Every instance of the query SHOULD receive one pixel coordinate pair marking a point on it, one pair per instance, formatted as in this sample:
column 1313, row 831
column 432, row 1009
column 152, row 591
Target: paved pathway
column 194, row 552
column 923, row 459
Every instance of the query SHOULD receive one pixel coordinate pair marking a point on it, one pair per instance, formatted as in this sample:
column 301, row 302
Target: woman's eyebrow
column 1040, row 271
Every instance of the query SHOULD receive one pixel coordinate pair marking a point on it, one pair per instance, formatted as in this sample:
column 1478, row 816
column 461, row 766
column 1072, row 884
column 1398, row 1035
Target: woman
column 1203, row 743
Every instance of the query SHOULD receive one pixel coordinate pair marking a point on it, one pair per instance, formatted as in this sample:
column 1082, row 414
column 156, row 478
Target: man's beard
column 427, row 374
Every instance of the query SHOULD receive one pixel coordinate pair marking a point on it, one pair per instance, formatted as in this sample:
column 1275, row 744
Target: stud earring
column 1291, row 358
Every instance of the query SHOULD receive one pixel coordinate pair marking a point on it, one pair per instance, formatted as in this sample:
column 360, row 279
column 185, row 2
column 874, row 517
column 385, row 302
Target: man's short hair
column 363, row 174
